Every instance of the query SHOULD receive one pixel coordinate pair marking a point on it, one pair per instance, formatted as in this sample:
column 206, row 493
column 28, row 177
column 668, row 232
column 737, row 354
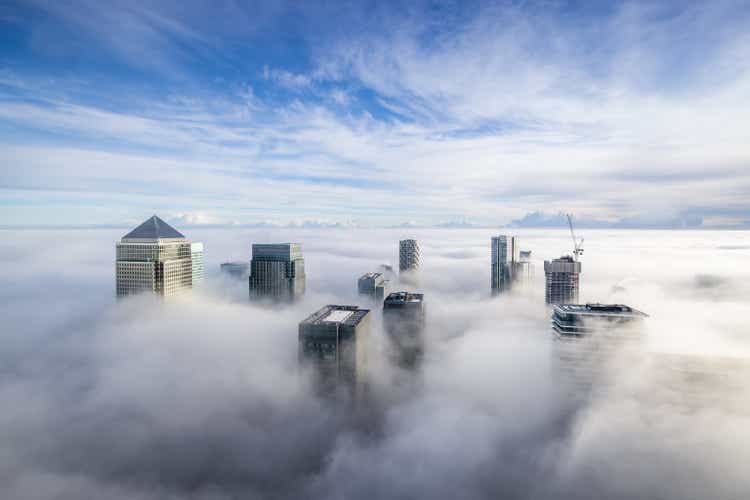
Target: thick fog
column 202, row 397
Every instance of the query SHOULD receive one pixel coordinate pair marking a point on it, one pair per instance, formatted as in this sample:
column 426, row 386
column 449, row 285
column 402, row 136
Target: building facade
column 408, row 255
column 504, row 258
column 277, row 272
column 156, row 258
column 372, row 285
column 561, row 280
column 334, row 345
column 404, row 322
column 578, row 320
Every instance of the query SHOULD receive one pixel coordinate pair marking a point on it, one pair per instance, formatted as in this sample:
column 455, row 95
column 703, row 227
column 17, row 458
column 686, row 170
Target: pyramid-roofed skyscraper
column 157, row 258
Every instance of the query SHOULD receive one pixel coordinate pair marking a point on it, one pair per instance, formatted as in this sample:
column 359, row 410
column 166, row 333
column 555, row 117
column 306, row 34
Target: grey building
column 404, row 321
column 408, row 255
column 590, row 340
column 504, row 258
column 524, row 268
column 562, row 277
column 277, row 272
column 238, row 270
column 579, row 320
column 155, row 257
column 334, row 344
column 372, row 285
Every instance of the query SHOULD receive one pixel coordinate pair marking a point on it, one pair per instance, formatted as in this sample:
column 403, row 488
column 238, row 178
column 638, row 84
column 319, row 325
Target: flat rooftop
column 403, row 297
column 370, row 275
column 596, row 309
column 346, row 315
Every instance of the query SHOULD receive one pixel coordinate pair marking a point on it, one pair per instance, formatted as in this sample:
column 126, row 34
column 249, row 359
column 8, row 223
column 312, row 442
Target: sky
column 202, row 397
column 374, row 113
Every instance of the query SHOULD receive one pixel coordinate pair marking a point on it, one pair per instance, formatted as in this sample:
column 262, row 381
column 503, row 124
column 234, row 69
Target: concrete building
column 562, row 277
column 372, row 285
column 408, row 256
column 404, row 320
column 334, row 343
column 277, row 272
column 504, row 259
column 238, row 270
column 155, row 257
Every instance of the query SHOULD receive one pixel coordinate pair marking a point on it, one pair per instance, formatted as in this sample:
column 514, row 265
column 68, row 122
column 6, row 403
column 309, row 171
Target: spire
column 153, row 228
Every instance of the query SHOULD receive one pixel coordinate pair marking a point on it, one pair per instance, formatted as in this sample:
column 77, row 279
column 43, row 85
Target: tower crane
column 577, row 244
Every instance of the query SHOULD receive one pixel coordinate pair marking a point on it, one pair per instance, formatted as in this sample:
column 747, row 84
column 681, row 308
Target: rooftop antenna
column 577, row 244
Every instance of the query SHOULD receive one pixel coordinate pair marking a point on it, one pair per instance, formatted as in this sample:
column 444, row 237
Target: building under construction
column 561, row 278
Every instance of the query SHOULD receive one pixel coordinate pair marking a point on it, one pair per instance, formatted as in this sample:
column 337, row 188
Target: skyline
column 630, row 114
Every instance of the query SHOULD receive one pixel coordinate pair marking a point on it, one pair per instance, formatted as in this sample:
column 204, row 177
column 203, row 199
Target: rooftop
column 403, row 297
column 596, row 309
column 370, row 275
column 345, row 315
column 153, row 228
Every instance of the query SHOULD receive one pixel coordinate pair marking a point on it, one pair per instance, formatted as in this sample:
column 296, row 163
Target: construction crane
column 577, row 245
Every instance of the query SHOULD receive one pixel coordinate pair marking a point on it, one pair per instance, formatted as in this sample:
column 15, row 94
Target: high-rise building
column 504, row 263
column 334, row 342
column 277, row 272
column 372, row 285
column 524, row 268
column 238, row 270
column 590, row 340
column 579, row 320
column 404, row 320
column 562, row 276
column 157, row 258
column 196, row 256
column 408, row 255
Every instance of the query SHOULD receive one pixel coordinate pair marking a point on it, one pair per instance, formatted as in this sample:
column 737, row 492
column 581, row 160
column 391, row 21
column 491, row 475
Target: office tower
column 561, row 277
column 403, row 320
column 524, row 268
column 334, row 343
column 591, row 339
column 504, row 263
column 196, row 256
column 372, row 285
column 408, row 255
column 277, row 272
column 238, row 270
column 157, row 258
column 579, row 320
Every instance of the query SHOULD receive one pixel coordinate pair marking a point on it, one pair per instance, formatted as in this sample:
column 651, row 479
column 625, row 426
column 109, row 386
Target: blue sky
column 373, row 113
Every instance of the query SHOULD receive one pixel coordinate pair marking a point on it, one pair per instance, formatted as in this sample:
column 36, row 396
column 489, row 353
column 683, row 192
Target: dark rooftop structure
column 577, row 320
column 153, row 228
column 402, row 299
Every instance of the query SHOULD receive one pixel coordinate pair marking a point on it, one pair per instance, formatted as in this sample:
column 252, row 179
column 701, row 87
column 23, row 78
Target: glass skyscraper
column 277, row 272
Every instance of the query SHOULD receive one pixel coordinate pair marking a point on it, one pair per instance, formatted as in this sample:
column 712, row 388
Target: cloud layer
column 203, row 397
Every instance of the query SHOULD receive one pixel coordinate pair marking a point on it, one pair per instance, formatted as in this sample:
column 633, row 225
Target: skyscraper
column 334, row 342
column 157, row 258
column 408, row 255
column 196, row 256
column 504, row 263
column 277, row 272
column 372, row 285
column 403, row 319
column 562, row 276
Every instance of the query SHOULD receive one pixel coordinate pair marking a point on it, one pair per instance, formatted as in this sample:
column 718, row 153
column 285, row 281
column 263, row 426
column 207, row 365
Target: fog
column 202, row 397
